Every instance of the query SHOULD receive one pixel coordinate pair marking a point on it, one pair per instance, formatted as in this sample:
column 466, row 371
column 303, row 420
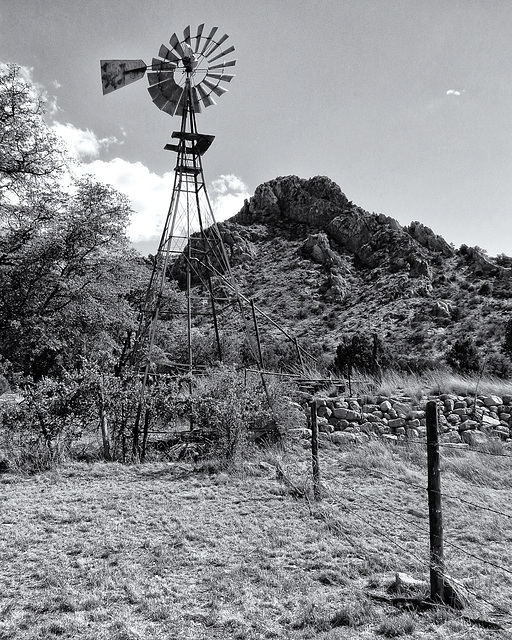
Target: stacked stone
column 465, row 419
column 461, row 419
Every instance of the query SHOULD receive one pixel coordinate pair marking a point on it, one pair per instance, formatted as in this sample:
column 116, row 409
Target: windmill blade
column 186, row 34
column 180, row 109
column 196, row 101
column 168, row 55
column 198, row 36
column 159, row 100
column 208, row 101
column 175, row 44
column 159, row 76
column 167, row 88
column 220, row 76
column 224, row 53
column 118, row 73
column 215, row 88
column 221, row 65
column 166, row 96
column 217, row 44
column 171, row 105
column 162, row 65
column 209, row 39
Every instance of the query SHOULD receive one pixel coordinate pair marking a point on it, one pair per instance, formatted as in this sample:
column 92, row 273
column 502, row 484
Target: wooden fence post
column 317, row 491
column 434, row 506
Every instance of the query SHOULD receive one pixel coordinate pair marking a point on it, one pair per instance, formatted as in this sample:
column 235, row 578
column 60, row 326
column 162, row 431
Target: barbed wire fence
column 422, row 544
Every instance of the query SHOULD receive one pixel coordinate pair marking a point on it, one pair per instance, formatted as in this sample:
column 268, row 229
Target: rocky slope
column 323, row 267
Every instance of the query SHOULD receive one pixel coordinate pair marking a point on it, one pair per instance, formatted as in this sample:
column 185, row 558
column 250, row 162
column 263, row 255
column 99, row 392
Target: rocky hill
column 325, row 268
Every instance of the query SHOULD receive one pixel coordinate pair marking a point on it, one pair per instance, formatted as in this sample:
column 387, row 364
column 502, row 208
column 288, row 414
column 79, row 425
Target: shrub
column 499, row 365
column 507, row 341
column 4, row 385
column 37, row 433
column 228, row 411
column 463, row 356
column 365, row 352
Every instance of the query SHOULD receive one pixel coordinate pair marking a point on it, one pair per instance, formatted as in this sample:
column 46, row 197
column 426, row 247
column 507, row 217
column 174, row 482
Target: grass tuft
column 417, row 386
column 401, row 625
column 354, row 614
column 314, row 617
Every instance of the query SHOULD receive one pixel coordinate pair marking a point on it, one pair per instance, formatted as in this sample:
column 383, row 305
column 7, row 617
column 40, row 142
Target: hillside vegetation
column 326, row 268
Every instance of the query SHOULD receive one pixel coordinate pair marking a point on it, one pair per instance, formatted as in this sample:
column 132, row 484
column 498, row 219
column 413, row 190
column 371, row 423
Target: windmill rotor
column 192, row 58
column 194, row 65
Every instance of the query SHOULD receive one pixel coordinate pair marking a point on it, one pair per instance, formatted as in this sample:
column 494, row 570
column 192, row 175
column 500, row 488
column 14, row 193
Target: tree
column 31, row 156
column 361, row 351
column 463, row 356
column 67, row 272
column 64, row 289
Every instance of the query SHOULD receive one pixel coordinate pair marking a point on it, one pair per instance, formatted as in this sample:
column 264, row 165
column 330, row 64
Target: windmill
column 188, row 76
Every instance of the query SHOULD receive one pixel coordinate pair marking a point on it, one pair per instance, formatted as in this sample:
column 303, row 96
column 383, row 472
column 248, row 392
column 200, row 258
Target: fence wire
column 380, row 508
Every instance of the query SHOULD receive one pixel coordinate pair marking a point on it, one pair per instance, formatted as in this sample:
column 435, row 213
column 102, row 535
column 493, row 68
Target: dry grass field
column 98, row 551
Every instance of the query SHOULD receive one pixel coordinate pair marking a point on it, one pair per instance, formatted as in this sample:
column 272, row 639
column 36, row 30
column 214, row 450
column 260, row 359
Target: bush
column 499, row 365
column 233, row 412
column 507, row 341
column 365, row 352
column 37, row 432
column 463, row 356
column 4, row 385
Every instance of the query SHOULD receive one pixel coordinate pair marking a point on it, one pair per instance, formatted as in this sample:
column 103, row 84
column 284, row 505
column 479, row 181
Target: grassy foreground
column 159, row 551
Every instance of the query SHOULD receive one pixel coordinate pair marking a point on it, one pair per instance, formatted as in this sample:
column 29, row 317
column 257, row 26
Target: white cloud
column 227, row 193
column 82, row 145
column 455, row 92
column 149, row 193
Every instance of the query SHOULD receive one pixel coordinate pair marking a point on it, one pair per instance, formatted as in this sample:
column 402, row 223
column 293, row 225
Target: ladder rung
column 182, row 168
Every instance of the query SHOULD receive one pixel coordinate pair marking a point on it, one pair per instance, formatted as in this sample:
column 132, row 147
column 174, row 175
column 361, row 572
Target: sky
column 405, row 104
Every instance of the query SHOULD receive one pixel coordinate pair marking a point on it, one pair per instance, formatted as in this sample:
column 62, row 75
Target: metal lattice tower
column 191, row 244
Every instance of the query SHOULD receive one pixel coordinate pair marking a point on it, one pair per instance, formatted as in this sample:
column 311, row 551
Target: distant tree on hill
column 503, row 260
column 361, row 351
column 507, row 341
column 464, row 356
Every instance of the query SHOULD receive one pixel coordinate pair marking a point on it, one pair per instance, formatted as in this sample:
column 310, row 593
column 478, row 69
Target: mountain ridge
column 325, row 267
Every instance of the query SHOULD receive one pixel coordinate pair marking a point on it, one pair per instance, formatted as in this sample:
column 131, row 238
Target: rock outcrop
column 325, row 267
column 375, row 239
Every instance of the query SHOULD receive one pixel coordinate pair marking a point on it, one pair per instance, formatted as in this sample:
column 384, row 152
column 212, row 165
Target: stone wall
column 463, row 420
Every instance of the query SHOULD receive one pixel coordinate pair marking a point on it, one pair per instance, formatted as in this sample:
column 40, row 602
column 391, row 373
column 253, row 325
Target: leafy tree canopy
column 31, row 156
column 67, row 273
column 364, row 352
